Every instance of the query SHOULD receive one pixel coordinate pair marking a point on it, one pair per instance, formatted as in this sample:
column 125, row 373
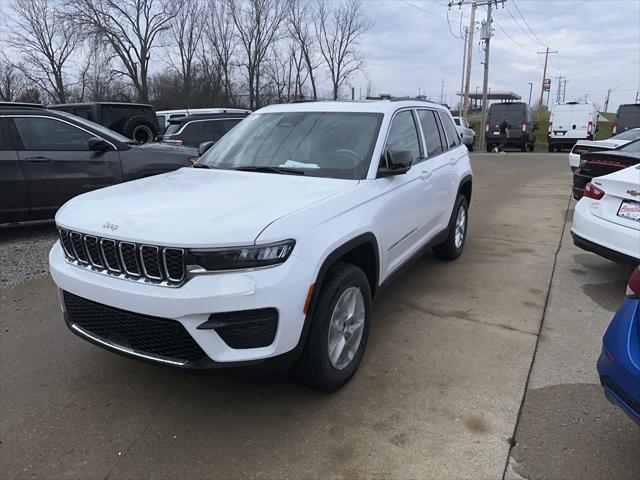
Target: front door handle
column 39, row 159
column 425, row 174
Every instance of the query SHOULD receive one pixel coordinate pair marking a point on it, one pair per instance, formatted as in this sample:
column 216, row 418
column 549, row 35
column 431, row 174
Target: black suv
column 48, row 157
column 193, row 130
column 133, row 120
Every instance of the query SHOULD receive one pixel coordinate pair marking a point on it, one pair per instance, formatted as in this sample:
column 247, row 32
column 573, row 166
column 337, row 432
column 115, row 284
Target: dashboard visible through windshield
column 321, row 144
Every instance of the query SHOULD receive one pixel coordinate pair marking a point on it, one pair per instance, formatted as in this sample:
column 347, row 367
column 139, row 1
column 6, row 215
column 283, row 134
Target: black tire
column 489, row 148
column 551, row 148
column 448, row 249
column 532, row 147
column 314, row 367
column 140, row 129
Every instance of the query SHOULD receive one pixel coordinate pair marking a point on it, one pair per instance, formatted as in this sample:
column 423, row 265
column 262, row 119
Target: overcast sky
column 410, row 47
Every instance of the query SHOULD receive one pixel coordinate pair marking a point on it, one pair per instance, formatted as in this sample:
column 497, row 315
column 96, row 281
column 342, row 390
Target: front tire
column 452, row 247
column 339, row 331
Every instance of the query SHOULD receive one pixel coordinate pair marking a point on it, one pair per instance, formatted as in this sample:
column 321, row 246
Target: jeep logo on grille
column 111, row 226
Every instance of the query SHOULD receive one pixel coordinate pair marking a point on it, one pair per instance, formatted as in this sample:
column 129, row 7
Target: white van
column 570, row 122
column 165, row 115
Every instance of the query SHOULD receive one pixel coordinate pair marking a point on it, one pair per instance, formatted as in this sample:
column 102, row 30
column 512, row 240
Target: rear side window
column 403, row 135
column 229, row 124
column 39, row 133
column 194, row 132
column 431, row 132
column 450, row 129
column 84, row 112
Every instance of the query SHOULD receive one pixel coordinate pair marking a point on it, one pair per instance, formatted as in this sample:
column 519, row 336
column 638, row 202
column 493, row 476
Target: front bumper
column 604, row 238
column 283, row 288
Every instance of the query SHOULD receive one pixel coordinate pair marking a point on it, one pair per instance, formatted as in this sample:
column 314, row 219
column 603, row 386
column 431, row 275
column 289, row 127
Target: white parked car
column 570, row 122
column 267, row 254
column 587, row 146
column 165, row 115
column 467, row 133
column 606, row 220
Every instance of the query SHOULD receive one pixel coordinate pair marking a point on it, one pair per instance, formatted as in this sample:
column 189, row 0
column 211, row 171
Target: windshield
column 172, row 128
column 321, row 144
column 628, row 135
column 99, row 128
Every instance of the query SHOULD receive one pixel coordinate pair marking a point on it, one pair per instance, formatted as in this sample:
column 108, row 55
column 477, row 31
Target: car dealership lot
column 438, row 394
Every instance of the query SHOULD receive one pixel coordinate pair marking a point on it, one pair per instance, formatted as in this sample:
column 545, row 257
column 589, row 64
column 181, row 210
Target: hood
column 195, row 207
column 165, row 147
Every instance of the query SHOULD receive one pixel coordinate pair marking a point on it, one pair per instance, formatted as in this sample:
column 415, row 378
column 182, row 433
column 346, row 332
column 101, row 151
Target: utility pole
column 464, row 60
column 544, row 76
column 442, row 92
column 559, row 89
column 530, row 91
column 564, row 91
column 467, row 80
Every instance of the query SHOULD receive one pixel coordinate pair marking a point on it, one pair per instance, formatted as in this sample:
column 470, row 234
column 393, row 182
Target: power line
column 518, row 44
column 520, row 26
column 527, row 23
column 424, row 10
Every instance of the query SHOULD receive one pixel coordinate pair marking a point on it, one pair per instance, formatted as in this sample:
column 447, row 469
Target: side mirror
column 97, row 144
column 204, row 146
column 397, row 162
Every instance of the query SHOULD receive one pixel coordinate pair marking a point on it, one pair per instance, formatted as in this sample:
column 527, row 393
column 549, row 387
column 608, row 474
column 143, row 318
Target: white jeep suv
column 269, row 252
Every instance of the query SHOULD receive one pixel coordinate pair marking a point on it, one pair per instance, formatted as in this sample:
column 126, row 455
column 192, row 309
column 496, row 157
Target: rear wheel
column 340, row 326
column 452, row 247
column 489, row 148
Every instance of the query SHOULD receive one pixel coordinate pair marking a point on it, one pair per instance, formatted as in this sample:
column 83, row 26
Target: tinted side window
column 452, row 132
column 39, row 133
column 431, row 132
column 403, row 135
column 194, row 132
column 84, row 112
column 229, row 124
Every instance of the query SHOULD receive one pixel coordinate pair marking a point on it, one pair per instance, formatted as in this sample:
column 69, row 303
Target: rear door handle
column 425, row 174
column 38, row 159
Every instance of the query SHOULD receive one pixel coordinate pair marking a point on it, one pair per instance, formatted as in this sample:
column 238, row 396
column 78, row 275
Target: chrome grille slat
column 150, row 258
column 132, row 261
column 93, row 251
column 129, row 258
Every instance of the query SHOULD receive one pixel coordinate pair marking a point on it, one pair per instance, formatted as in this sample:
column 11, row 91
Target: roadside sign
column 546, row 86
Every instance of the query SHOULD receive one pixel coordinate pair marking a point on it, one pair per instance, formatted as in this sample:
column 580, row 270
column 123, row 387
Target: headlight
column 239, row 258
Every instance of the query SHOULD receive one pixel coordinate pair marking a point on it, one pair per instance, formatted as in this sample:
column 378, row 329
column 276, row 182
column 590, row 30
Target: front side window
column 431, row 132
column 403, row 135
column 322, row 144
column 38, row 133
column 450, row 129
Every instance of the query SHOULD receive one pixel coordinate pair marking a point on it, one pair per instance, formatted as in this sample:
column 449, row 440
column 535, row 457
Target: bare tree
column 131, row 28
column 186, row 33
column 219, row 38
column 337, row 32
column 258, row 26
column 301, row 20
column 43, row 41
column 11, row 81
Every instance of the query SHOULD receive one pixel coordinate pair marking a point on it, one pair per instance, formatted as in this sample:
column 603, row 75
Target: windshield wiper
column 267, row 169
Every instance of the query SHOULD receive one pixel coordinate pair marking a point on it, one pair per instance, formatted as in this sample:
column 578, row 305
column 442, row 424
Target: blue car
column 619, row 363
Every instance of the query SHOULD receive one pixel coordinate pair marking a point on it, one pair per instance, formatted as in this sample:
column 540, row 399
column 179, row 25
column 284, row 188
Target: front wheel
column 452, row 247
column 340, row 326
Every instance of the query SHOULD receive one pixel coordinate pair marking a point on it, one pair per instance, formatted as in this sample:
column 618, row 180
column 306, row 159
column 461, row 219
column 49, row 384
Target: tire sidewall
column 460, row 203
column 347, row 276
column 143, row 127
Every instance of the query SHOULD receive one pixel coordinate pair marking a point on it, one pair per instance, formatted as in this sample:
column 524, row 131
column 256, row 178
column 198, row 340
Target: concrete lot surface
column 438, row 394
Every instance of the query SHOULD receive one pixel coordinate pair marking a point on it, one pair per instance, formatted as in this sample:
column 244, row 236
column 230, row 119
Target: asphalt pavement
column 438, row 395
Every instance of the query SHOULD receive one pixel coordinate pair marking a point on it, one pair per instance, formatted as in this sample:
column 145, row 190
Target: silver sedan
column 467, row 133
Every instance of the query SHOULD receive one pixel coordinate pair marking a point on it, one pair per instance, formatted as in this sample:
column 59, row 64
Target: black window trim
column 416, row 124
column 445, row 148
column 444, row 130
column 93, row 134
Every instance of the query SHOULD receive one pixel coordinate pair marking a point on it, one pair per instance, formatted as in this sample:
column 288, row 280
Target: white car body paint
column 199, row 208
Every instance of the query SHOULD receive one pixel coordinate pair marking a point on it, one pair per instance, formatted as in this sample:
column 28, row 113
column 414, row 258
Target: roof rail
column 20, row 105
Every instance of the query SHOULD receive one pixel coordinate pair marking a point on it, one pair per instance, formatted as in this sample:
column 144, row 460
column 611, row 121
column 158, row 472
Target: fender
column 466, row 179
column 362, row 239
